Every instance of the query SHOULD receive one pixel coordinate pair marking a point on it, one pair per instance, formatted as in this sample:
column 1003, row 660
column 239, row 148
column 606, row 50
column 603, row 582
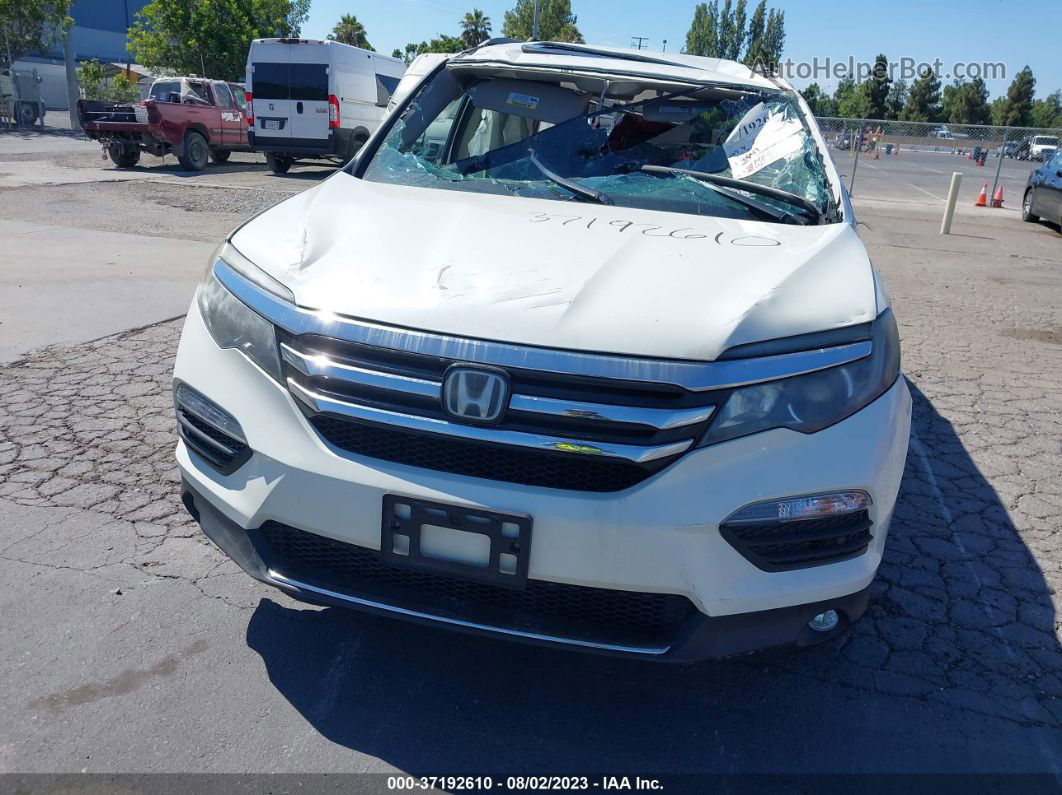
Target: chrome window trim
column 635, row 453
column 278, row 579
column 693, row 376
column 659, row 418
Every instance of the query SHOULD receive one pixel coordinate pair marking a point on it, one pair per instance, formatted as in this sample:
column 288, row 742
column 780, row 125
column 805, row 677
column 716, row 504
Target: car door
column 198, row 109
column 269, row 76
column 230, row 114
column 309, row 94
column 240, row 95
column 1049, row 192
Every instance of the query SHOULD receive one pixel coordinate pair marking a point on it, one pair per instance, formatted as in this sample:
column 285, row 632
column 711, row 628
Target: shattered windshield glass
column 646, row 148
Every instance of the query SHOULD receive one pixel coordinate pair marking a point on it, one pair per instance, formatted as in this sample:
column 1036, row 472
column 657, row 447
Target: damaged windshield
column 706, row 151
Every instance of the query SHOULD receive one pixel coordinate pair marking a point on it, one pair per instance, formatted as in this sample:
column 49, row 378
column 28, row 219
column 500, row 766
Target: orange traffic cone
column 982, row 200
column 997, row 200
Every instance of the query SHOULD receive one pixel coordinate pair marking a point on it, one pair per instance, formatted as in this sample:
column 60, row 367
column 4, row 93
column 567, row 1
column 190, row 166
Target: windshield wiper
column 573, row 187
column 727, row 185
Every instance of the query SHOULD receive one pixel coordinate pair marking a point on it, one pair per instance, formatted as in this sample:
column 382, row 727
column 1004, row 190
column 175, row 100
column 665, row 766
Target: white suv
column 607, row 368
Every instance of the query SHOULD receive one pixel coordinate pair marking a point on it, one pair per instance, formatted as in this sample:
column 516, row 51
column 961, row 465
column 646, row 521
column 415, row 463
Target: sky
column 974, row 31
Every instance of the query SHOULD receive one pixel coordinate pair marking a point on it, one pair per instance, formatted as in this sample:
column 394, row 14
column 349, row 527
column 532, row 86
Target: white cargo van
column 315, row 99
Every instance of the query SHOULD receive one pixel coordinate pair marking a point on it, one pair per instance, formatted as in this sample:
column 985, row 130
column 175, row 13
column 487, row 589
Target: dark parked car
column 1043, row 194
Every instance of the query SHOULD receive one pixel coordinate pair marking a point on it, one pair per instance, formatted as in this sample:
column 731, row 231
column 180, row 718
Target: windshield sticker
column 761, row 138
column 522, row 100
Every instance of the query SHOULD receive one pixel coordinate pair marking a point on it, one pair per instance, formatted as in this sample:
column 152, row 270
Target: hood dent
column 486, row 267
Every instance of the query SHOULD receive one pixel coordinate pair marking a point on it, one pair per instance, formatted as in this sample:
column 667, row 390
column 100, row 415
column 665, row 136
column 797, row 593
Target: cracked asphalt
column 130, row 644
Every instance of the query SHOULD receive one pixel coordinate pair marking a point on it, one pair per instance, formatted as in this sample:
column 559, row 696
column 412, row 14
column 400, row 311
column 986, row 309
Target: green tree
column 209, row 37
column 556, row 22
column 757, row 27
column 966, row 102
column 703, row 36
column 996, row 110
column 441, row 43
column 727, row 32
column 1047, row 112
column 1017, row 109
column 396, row 53
column 29, row 26
column 412, row 50
column 923, row 100
column 878, row 85
column 853, row 99
column 349, row 31
column 732, row 30
column 91, row 76
column 896, row 99
column 819, row 101
column 475, row 27
column 773, row 40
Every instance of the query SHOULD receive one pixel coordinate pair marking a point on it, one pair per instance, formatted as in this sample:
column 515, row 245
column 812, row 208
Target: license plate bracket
column 509, row 535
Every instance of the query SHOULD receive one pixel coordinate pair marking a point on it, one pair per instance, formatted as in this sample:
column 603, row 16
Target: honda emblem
column 474, row 393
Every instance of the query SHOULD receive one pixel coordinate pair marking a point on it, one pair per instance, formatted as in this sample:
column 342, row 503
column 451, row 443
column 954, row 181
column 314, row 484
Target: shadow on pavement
column 36, row 132
column 952, row 669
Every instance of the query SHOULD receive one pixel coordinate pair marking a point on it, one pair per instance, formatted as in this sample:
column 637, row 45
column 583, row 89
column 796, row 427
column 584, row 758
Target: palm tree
column 475, row 27
column 349, row 31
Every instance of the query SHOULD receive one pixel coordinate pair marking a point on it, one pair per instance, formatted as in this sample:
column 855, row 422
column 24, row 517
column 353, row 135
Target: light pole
column 534, row 23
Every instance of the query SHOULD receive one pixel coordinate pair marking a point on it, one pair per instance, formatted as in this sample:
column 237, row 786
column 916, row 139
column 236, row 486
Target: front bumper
column 658, row 537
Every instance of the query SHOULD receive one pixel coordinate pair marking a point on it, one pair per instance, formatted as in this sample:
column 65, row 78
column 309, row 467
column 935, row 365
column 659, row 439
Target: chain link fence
column 881, row 140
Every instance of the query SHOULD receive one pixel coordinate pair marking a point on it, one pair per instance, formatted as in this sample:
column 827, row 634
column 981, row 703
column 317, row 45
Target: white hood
column 611, row 279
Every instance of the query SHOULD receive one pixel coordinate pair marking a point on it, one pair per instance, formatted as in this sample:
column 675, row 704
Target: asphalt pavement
column 130, row 644
column 922, row 178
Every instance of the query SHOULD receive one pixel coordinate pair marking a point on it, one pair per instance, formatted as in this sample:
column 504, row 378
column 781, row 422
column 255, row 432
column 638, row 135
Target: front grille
column 780, row 546
column 532, row 468
column 566, row 610
column 560, row 430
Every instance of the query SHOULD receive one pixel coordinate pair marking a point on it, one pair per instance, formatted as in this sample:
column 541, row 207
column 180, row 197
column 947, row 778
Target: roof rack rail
column 547, row 46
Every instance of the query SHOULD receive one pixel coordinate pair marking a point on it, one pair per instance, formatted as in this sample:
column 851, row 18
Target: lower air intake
column 781, row 546
column 568, row 610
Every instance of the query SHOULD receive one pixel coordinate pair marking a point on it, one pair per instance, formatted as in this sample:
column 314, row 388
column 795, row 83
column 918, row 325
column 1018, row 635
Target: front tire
column 124, row 155
column 278, row 164
column 354, row 147
column 1026, row 208
column 196, row 152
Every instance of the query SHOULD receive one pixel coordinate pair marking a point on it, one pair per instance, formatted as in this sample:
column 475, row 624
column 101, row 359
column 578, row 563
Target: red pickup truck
column 194, row 118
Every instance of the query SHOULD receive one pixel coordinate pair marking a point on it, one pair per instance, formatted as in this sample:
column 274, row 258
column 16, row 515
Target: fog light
column 824, row 622
column 792, row 509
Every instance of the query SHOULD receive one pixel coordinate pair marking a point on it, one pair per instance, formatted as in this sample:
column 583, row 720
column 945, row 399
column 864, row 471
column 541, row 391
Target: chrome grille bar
column 317, row 364
column 661, row 419
column 638, row 454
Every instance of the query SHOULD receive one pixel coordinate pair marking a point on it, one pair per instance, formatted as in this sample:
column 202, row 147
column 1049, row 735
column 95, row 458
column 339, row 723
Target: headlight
column 232, row 323
column 809, row 403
